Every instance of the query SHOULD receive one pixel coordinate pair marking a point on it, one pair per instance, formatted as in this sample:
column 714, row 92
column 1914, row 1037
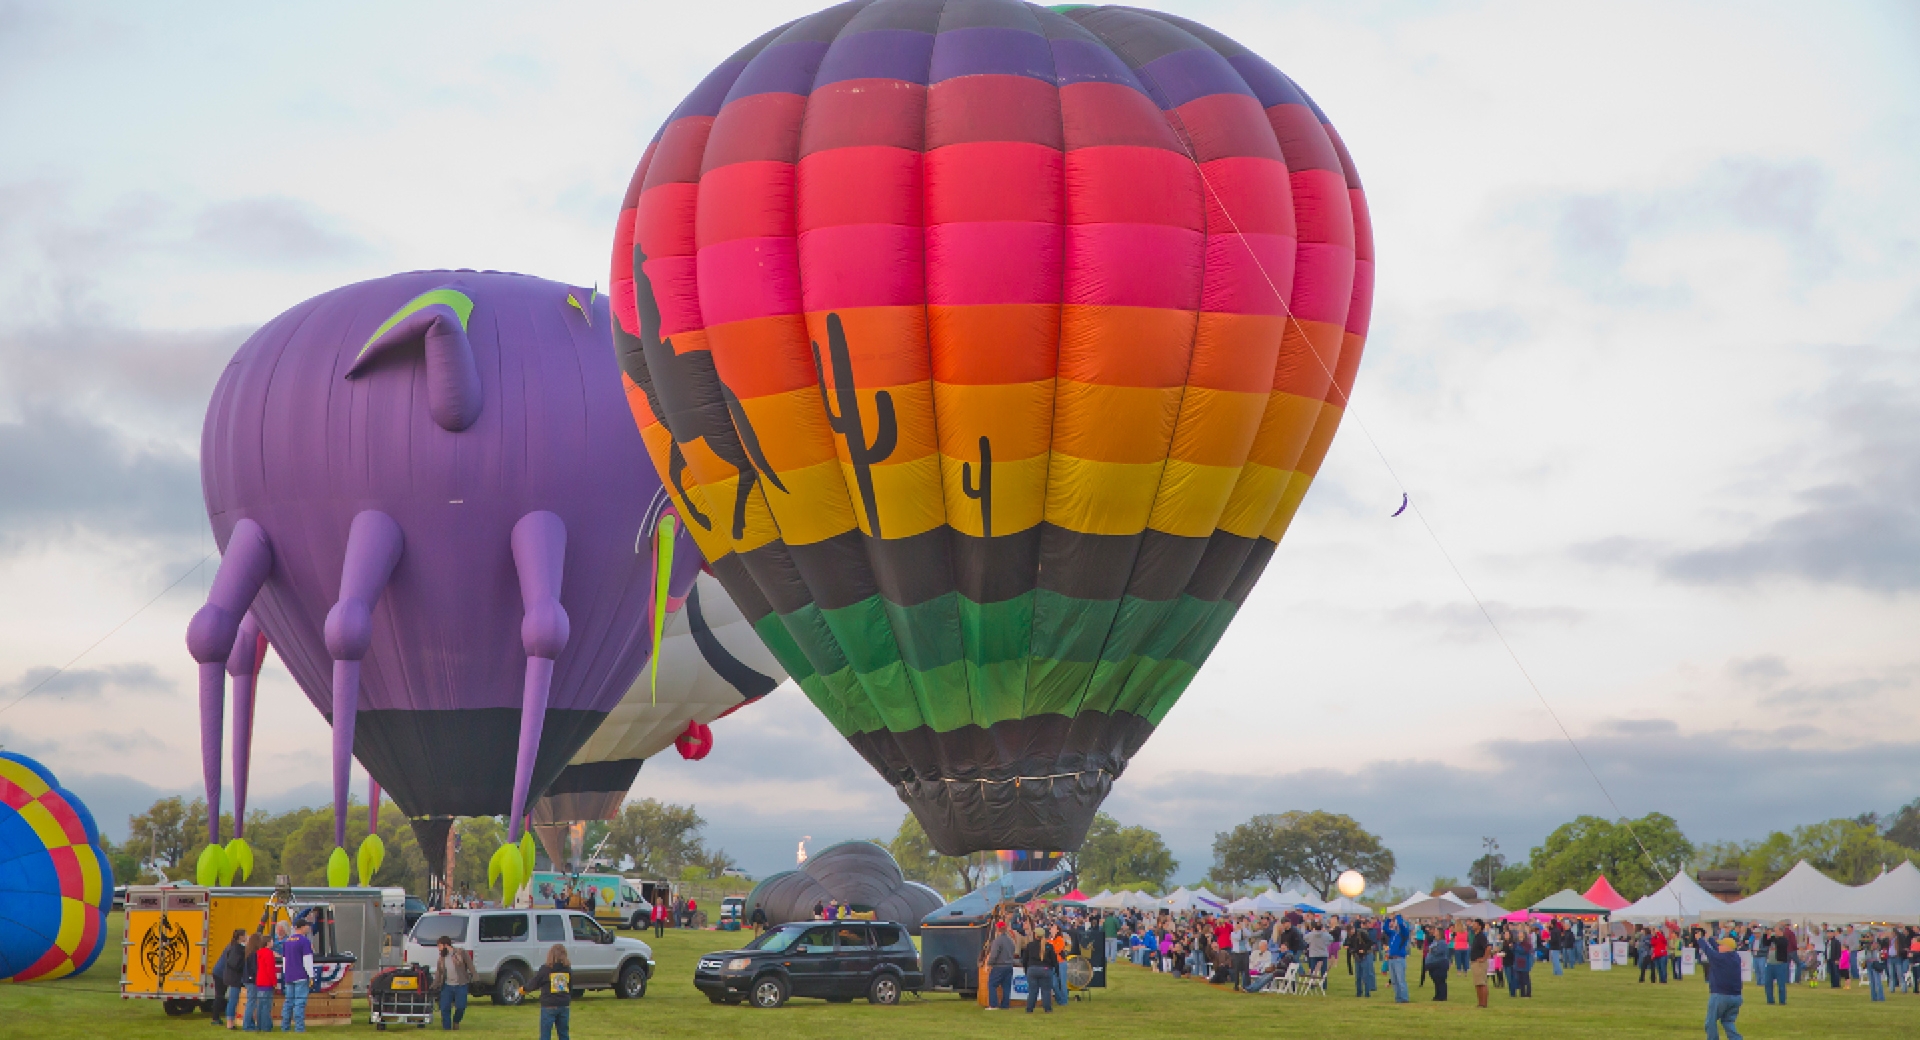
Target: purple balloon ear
column 437, row 318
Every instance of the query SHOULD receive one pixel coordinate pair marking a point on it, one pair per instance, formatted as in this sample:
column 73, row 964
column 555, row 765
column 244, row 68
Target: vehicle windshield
column 778, row 939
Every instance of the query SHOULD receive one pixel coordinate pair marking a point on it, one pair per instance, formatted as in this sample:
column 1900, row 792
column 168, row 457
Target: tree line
column 1638, row 859
column 660, row 840
column 1113, row 856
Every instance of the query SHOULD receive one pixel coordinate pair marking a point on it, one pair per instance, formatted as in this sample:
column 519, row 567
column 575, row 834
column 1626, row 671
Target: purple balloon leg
column 249, row 650
column 244, row 565
column 539, row 557
column 374, row 545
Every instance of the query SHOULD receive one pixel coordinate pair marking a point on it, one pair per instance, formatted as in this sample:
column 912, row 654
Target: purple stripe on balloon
column 707, row 98
column 992, row 50
column 1268, row 83
column 1180, row 77
column 784, row 68
column 1083, row 61
column 900, row 54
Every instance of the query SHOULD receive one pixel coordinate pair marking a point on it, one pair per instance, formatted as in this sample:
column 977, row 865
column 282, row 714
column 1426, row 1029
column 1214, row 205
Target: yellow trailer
column 175, row 934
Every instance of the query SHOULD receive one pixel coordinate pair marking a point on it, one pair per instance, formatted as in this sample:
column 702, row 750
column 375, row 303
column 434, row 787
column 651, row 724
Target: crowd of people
column 263, row 966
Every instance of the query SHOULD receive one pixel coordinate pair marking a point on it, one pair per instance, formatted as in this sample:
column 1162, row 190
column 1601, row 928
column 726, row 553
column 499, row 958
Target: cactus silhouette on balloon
column 847, row 421
column 984, row 493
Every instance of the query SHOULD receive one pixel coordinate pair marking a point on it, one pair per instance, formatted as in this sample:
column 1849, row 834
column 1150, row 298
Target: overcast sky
column 1646, row 353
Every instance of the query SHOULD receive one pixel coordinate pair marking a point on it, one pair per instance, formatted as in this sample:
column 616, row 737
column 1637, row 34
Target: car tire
column 884, row 989
column 632, row 983
column 510, row 987
column 944, row 975
column 768, row 991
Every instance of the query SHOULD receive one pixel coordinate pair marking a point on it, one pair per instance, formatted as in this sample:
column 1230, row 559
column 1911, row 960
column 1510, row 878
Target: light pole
column 1489, row 846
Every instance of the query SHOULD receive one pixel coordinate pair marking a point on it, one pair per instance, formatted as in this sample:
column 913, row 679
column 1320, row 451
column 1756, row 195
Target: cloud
column 1733, row 783
column 66, row 474
column 1764, row 670
column 90, row 684
column 272, row 231
column 1860, row 525
column 1463, row 622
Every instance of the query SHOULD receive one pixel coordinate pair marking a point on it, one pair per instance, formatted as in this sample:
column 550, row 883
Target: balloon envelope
column 55, row 884
column 989, row 350
column 293, row 445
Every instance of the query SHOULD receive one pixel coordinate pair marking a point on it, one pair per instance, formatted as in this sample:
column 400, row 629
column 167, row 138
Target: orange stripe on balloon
column 1125, row 346
column 994, row 342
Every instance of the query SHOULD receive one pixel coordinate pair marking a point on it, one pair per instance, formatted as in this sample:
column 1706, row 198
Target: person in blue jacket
column 1397, row 937
column 1723, row 985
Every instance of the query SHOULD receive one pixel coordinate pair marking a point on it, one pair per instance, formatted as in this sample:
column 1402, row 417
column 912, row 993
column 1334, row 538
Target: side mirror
column 606, row 939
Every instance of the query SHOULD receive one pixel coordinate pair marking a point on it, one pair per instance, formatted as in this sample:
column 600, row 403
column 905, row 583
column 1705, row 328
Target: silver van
column 509, row 945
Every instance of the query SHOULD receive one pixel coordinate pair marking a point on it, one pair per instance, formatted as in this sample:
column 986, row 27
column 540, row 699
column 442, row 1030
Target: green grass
column 1581, row 1003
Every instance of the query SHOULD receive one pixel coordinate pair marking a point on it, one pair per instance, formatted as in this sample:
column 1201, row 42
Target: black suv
column 835, row 960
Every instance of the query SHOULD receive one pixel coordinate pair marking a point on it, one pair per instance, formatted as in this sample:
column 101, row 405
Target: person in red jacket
column 1659, row 950
column 264, row 973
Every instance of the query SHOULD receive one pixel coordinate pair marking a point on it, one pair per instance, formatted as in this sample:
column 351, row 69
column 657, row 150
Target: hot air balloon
column 55, row 883
column 431, row 500
column 989, row 350
column 710, row 664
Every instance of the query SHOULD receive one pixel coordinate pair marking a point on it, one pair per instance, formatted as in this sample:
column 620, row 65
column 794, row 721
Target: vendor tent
column 1401, row 907
column 1602, row 894
column 1343, row 905
column 1681, row 899
column 1482, row 911
column 1570, row 903
column 1431, row 908
column 1894, row 897
column 1199, row 899
column 1244, row 905
column 1104, row 900
column 1138, row 901
column 1803, row 894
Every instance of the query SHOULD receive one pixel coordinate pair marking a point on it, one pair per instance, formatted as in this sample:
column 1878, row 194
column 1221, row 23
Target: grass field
column 1582, row 1003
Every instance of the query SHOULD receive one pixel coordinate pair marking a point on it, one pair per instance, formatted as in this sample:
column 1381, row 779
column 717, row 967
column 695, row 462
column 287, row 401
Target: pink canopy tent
column 1521, row 916
column 1602, row 894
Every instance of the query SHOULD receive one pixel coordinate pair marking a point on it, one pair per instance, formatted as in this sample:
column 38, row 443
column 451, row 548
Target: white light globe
column 1352, row 884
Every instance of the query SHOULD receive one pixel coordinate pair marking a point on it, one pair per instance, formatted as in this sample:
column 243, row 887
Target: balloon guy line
column 1186, row 138
column 110, row 632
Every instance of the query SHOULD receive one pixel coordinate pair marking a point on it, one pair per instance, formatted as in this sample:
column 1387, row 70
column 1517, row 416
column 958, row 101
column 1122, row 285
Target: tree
column 478, row 836
column 303, row 858
column 1904, row 828
column 661, row 838
column 919, row 860
column 167, row 830
column 1575, row 853
column 1116, row 856
column 1486, row 871
column 1313, row 847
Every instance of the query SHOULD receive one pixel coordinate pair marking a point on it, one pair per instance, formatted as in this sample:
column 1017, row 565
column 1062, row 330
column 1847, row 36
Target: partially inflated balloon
column 55, row 885
column 988, row 350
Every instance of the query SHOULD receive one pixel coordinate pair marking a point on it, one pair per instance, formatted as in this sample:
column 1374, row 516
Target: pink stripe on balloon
column 863, row 265
column 748, row 278
column 1360, row 311
column 1000, row 261
column 1323, row 283
column 1244, row 272
column 1321, row 208
column 1134, row 265
column 677, row 293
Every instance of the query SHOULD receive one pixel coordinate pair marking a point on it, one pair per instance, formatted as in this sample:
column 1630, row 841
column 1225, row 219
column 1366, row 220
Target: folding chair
column 1313, row 980
column 1284, row 984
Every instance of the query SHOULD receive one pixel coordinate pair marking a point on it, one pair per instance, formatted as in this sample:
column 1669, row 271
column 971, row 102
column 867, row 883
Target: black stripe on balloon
column 1250, row 571
column 992, row 570
column 1066, row 766
column 733, row 575
column 595, row 777
column 1225, row 554
column 460, row 763
column 736, row 672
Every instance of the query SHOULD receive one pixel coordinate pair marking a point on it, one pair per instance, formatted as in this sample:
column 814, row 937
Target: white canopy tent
column 1138, row 901
column 1421, row 897
column 1244, row 905
column 1681, row 899
column 1343, row 905
column 1805, row 895
column 1894, row 897
column 1104, row 900
column 1182, row 901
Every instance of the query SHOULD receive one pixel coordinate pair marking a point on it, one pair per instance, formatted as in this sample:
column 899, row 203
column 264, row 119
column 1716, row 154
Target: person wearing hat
column 1000, row 953
column 1723, row 985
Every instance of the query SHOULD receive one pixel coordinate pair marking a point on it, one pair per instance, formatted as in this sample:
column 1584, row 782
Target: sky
column 1645, row 355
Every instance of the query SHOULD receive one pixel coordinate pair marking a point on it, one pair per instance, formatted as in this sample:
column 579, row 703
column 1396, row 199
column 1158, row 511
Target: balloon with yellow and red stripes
column 989, row 350
column 55, row 884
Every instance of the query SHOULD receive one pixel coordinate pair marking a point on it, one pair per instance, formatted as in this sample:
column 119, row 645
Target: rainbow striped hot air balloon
column 989, row 350
column 55, row 884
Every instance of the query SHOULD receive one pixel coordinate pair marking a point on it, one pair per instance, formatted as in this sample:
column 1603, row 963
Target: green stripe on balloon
column 662, row 576
column 460, row 303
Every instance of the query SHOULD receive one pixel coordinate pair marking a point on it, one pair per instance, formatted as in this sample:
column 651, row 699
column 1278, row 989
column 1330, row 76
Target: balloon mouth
column 1052, row 810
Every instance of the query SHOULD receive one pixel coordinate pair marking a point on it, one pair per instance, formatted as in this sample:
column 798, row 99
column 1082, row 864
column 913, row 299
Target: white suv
column 508, row 945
